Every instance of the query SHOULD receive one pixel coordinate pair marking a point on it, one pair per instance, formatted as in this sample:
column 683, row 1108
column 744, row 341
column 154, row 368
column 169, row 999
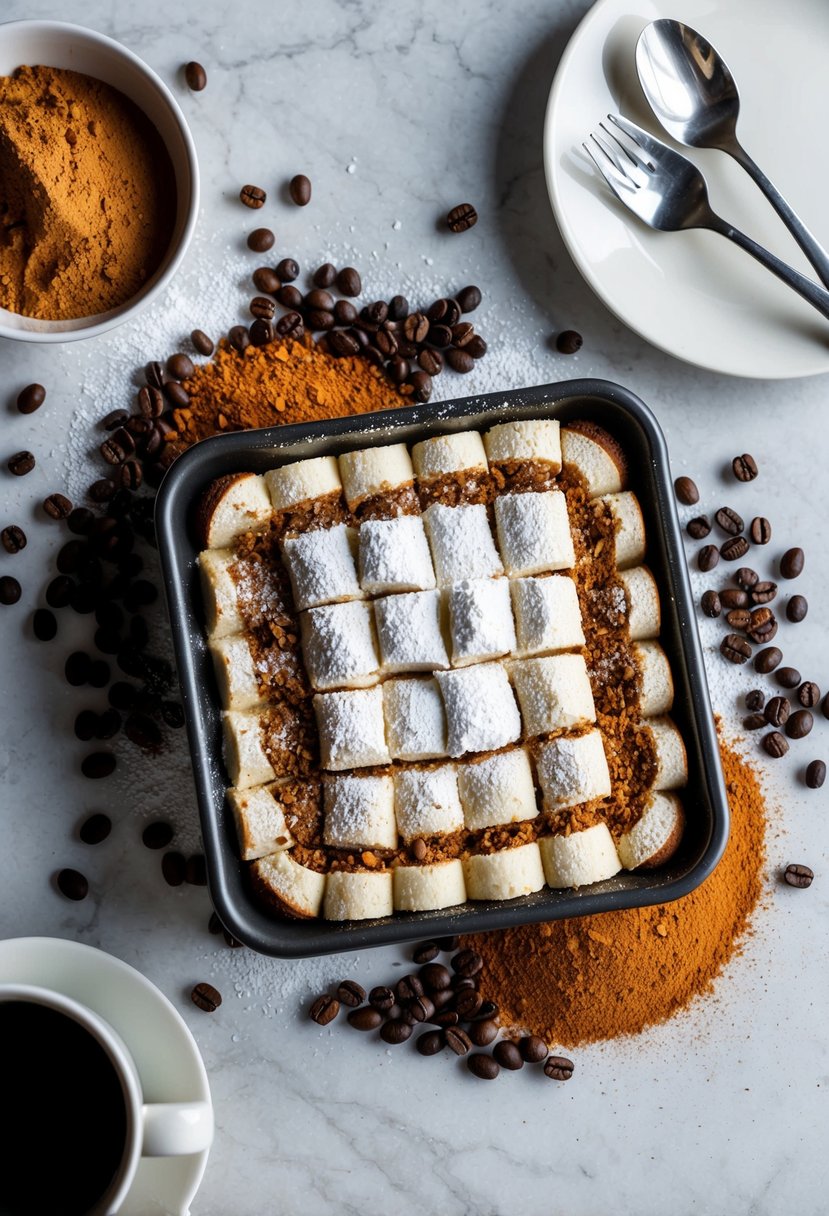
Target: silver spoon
column 694, row 96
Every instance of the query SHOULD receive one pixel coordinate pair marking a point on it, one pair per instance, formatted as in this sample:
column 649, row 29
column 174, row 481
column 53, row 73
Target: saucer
column 163, row 1048
column 695, row 294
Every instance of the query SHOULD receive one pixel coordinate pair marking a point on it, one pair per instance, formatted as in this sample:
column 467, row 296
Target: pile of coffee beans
column 442, row 1003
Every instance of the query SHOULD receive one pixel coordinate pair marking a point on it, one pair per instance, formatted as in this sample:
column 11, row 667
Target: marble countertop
column 396, row 113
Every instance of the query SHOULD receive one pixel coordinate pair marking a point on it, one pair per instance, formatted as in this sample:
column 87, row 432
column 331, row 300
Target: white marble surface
column 396, row 113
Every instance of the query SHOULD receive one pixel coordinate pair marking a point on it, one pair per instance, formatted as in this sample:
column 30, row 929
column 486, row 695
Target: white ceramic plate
column 164, row 1050
column 694, row 294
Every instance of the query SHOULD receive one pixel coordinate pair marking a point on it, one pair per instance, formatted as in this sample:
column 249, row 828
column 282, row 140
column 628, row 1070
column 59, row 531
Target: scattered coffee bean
column 324, row 1009
column 435, row 977
column 76, row 668
column 86, row 725
column 558, row 1068
column 763, row 592
column 489, row 1010
column 72, row 884
column 421, row 1009
column 738, row 618
column 744, row 467
column 569, row 342
column 730, row 522
column 80, row 521
column 97, row 765
column 468, row 298
column 206, row 997
column 266, row 280
column 349, row 282
column 31, row 398
column 351, row 994
column 462, row 218
column 708, row 557
column 754, row 722
column 57, row 506
column 467, row 963
column 755, row 699
column 299, row 189
column 508, row 1055
column 760, row 531
column 763, row 625
column 735, row 649
column 95, row 829
column 775, row 744
column 746, row 578
column 476, row 347
column 686, row 491
column 430, row 1043
column 766, row 660
column 381, row 998
column 533, row 1049
column 253, row 197
column 815, row 774
column 365, row 1018
column 395, row 1031
column 44, row 625
column 239, row 338
column 791, row 563
column 261, row 240
column 108, row 723
column 710, row 604
column 460, row 361
column 20, row 463
column 788, row 677
column 699, row 527
column 735, row 548
column 419, row 849
column 468, row 1004
column 798, row 875
column 483, row 1066
column 346, row 314
column 195, row 870
column 457, row 1040
column 290, row 325
column 173, row 868
column 777, row 711
column 421, row 385
column 808, row 694
column 13, row 538
column 425, row 952
column 797, row 608
column 733, row 597
column 287, row 270
column 261, row 332
column 409, row 988
column 482, row 1033
column 157, row 835
column 800, row 724
column 448, row 944
column 180, row 366
column 102, row 490
column 195, row 76
column 10, row 591
column 262, row 307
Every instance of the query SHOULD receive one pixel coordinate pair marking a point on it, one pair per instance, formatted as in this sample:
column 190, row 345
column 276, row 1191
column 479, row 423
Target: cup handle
column 174, row 1129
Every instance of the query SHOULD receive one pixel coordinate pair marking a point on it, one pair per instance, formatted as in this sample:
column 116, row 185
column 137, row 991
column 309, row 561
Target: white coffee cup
column 169, row 1129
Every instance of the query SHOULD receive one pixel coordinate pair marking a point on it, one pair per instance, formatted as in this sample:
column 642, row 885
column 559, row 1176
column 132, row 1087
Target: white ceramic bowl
column 60, row 45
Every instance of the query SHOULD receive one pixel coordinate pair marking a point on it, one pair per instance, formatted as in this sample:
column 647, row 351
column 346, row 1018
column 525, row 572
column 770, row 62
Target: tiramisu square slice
column 275, row 741
column 292, row 889
column 506, row 874
column 481, row 713
column 579, row 858
column 359, row 812
column 547, row 614
column 425, row 888
column 415, row 719
column 629, row 539
column 642, row 603
column 595, row 455
column 292, row 485
column 497, row 789
column 572, row 770
column 480, row 620
column 351, row 727
column 260, row 820
column 656, row 683
column 340, row 646
column 358, row 895
column 444, row 454
column 371, row 471
column 394, row 556
column 236, row 676
column 219, row 593
column 534, row 533
column 533, row 439
column 322, row 566
column 554, row 693
column 461, row 543
column 426, row 802
column 409, row 632
column 232, row 505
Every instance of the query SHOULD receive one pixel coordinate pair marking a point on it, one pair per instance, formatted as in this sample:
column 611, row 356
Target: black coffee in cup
column 64, row 1117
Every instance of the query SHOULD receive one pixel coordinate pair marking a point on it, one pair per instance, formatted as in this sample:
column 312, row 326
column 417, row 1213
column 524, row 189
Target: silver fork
column 668, row 192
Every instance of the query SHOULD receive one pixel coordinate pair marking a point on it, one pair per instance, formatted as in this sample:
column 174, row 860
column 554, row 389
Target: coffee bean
column 31, row 398
column 435, row 977
column 468, row 298
column 482, row 1033
column 730, row 522
column 349, row 282
column 342, row 344
column 766, row 660
column 95, row 829
column 421, row 1009
column 261, row 332
column 815, row 774
column 102, row 490
column 351, row 993
column 476, row 347
column 746, row 578
column 262, row 306
column 108, row 723
column 287, row 270
column 324, row 1009
column 395, row 1031
column 44, row 625
column 444, row 1017
column 140, row 728
column 558, row 1068
column 755, row 699
column 86, row 725
column 808, row 694
column 800, row 724
column 462, row 218
column 365, row 1018
column 425, row 952
column 738, row 618
column 431, row 361
column 291, row 326
column 80, row 521
column 416, row 327
column 346, row 314
column 448, row 943
column 508, row 1055
column 483, row 1066
column 180, row 366
column 154, row 374
column 430, row 1043
column 239, row 338
column 130, row 475
column 468, row 1004
column 686, row 491
column 112, row 452
column 698, row 527
column 13, row 538
column 299, row 189
column 266, row 280
column 10, row 591
column 195, row 76
column 72, row 884
column 467, row 963
column 791, row 563
column 489, row 1010
column 76, row 668
column 754, row 722
column 798, row 875
column 735, row 548
column 253, row 197
column 463, row 983
column 419, row 849
column 796, row 608
column 261, row 240
column 381, row 998
column 733, row 597
column 744, row 467
column 788, row 677
column 708, row 557
column 195, row 870
column 409, row 988
column 20, row 463
column 735, row 649
column 206, row 997
column 462, row 334
column 777, row 711
column 98, row 765
column 760, row 531
column 775, row 744
column 421, row 384
column 157, row 835
column 763, row 625
column 533, row 1049
column 457, row 1040
column 173, row 868
column 460, row 361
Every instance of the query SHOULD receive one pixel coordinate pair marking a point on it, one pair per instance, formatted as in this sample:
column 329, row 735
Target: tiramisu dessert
column 440, row 673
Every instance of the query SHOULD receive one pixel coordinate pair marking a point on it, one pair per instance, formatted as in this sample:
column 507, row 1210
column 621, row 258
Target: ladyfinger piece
column 359, row 813
column 504, row 875
column 425, row 888
column 219, row 594
column 232, row 505
column 409, row 632
column 671, row 756
column 642, row 599
column 596, row 455
column 245, row 757
column 554, row 693
column 630, row 528
column 547, row 614
column 656, row 684
column 358, row 895
column 443, row 454
column 352, row 729
column 339, row 644
column 580, row 858
column 426, row 802
column 654, row 839
column 394, row 556
column 535, row 439
column 498, row 789
column 291, row 485
column 461, row 543
column 372, row 471
column 260, row 820
column 235, row 672
column 291, row 888
column 480, row 620
column 415, row 719
column 322, row 566
column 534, row 533
column 572, row 770
column 481, row 713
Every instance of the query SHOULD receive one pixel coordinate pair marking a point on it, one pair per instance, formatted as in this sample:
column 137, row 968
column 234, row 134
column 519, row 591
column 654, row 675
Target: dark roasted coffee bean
column 483, row 1066
column 457, row 1040
column 386, row 343
column 381, row 998
column 13, row 538
column 108, row 724
column 266, row 280
column 460, row 361
column 102, row 490
column 808, row 694
column 760, row 530
column 349, row 282
column 214, row 925
column 462, row 983
column 172, row 714
column 508, row 1055
column 763, row 625
column 319, row 299
column 76, row 668
column 431, row 361
column 112, row 452
column 299, row 189
column 239, row 338
column 744, row 467
column 351, row 993
column 287, row 270
column 365, row 1018
column 777, row 711
column 430, row 1043
column 448, row 943
column 72, row 884
column 395, row 1031
column 468, row 1003
column 452, row 315
column 698, row 527
column 143, row 732
column 796, row 608
column 738, row 618
column 766, row 661
column 86, row 725
column 733, row 597
column 815, row 774
column 173, row 868
column 253, row 197
column 97, row 765
column 261, row 240
column 20, row 463
column 345, row 314
column 468, row 298
column 83, row 599
column 754, row 722
column 10, row 591
column 99, row 674
column 730, row 522
column 438, row 310
column 421, row 384
column 195, row 870
column 409, row 988
column 425, row 952
column 203, row 344
column 533, row 1049
column 775, row 744
column 398, row 308
column 44, row 624
column 180, row 366
column 376, row 313
column 195, row 76
column 263, row 307
column 205, row 997
column 686, row 491
column 95, row 829
column 798, row 875
column 324, row 1009
column 800, row 724
column 154, row 374
column 57, row 506
column 568, row 342
column 735, row 548
column 755, row 699
column 708, row 557
column 290, row 325
column 440, row 336
column 157, row 835
column 70, row 556
column 482, row 1033
column 476, row 347
column 444, row 1017
column 31, row 398
column 735, row 649
column 462, row 218
column 261, row 333
column 558, row 1068
column 791, row 563
column 746, row 578
column 416, row 327
column 421, row 1009
column 122, row 695
column 130, row 475
column 467, row 963
column 80, row 521
column 435, row 977
column 788, row 677
column 488, row 1010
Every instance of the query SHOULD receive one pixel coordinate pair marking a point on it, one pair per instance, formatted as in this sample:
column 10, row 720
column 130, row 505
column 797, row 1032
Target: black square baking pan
column 634, row 426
